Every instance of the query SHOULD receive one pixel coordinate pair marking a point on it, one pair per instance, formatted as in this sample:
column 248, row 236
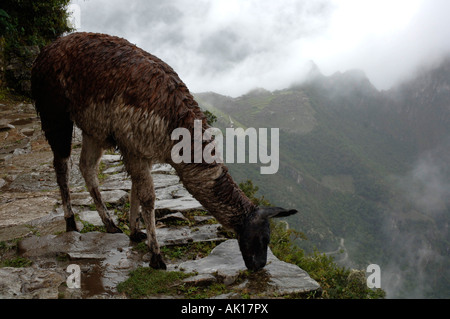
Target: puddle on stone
column 99, row 277
column 91, row 280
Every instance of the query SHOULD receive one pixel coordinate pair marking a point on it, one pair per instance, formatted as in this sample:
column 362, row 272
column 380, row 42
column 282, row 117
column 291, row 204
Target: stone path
column 30, row 211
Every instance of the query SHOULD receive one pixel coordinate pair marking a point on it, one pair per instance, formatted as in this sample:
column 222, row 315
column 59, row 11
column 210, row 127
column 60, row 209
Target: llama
column 121, row 96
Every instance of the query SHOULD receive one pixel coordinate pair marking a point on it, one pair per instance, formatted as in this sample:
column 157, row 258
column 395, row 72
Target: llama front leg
column 135, row 235
column 143, row 189
column 148, row 214
column 91, row 152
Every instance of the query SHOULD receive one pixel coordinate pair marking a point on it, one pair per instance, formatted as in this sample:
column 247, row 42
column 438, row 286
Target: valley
column 360, row 164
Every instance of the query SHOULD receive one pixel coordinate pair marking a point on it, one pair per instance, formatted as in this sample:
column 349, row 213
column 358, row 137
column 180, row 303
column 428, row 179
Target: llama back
column 112, row 90
column 120, row 95
column 123, row 96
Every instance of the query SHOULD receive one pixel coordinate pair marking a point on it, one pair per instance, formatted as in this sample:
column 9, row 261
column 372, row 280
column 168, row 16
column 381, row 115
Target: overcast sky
column 233, row 46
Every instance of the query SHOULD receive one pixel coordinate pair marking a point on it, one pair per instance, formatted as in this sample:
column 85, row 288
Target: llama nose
column 256, row 264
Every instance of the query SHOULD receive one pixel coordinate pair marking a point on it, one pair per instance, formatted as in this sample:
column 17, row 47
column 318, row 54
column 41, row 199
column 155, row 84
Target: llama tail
column 53, row 111
column 58, row 128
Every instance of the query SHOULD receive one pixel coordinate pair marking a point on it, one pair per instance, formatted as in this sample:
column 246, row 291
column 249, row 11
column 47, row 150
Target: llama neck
column 213, row 187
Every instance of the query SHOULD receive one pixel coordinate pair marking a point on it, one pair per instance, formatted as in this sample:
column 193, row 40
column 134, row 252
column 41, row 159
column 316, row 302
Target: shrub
column 26, row 26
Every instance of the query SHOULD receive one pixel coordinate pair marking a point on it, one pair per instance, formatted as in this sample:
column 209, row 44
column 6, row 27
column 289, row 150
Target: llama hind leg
column 144, row 190
column 91, row 152
column 61, row 166
column 58, row 131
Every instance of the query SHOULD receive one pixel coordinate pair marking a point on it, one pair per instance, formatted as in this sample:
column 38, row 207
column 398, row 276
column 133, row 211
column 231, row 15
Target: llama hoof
column 71, row 225
column 157, row 263
column 138, row 236
column 112, row 228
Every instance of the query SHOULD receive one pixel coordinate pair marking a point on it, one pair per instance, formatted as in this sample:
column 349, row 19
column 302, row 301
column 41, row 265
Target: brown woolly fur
column 122, row 96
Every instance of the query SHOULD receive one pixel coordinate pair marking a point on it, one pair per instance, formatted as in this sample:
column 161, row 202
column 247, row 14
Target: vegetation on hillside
column 29, row 22
column 337, row 282
column 26, row 26
column 350, row 165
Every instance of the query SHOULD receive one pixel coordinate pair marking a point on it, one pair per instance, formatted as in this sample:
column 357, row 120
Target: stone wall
column 17, row 70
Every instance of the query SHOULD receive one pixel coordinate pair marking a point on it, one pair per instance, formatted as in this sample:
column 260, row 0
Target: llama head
column 254, row 236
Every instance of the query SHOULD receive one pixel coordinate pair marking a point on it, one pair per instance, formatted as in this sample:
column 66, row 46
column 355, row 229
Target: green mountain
column 367, row 170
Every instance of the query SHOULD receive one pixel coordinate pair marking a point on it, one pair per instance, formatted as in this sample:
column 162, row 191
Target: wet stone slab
column 185, row 235
column 30, row 208
column 104, row 259
column 93, row 245
column 30, row 283
column 276, row 278
column 25, row 210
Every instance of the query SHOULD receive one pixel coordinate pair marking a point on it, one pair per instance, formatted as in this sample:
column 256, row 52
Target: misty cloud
column 226, row 46
column 422, row 198
column 232, row 46
column 427, row 185
column 432, row 190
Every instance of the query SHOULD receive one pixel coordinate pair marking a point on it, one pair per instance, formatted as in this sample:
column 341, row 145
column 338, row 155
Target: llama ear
column 270, row 212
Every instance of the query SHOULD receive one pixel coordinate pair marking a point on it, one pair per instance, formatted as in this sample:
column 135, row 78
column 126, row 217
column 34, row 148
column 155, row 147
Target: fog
column 233, row 46
column 428, row 185
column 423, row 195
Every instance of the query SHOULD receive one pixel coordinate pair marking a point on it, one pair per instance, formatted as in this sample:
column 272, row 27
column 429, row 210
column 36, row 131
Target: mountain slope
column 347, row 151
